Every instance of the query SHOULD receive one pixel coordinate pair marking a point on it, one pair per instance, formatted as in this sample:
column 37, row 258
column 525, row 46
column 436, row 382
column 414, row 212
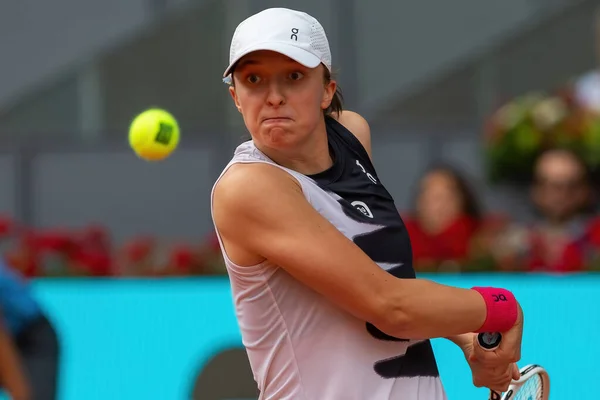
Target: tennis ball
column 154, row 134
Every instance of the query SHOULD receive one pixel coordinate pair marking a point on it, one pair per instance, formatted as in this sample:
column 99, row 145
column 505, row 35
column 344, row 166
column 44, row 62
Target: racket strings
column 532, row 389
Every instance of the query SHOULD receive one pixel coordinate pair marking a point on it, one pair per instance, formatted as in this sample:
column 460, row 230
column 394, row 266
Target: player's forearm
column 421, row 309
column 12, row 377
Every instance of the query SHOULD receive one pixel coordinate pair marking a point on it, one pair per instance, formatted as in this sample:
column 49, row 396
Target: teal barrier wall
column 147, row 339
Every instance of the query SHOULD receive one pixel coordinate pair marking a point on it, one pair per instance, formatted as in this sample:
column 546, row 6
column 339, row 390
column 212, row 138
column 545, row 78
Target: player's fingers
column 486, row 381
column 500, row 387
column 510, row 347
column 492, row 377
column 484, row 356
column 500, row 382
column 509, row 353
column 512, row 353
column 490, row 359
column 485, row 378
column 502, row 356
column 516, row 374
column 505, row 378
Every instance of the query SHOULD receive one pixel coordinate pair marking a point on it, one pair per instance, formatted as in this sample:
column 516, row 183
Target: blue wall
column 146, row 339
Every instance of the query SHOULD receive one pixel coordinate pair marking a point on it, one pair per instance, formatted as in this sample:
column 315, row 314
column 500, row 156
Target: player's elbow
column 394, row 318
column 399, row 318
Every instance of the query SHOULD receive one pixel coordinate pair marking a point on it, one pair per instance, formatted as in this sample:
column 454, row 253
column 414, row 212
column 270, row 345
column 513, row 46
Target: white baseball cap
column 294, row 34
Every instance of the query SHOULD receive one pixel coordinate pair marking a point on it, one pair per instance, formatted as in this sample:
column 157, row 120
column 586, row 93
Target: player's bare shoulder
column 247, row 188
column 246, row 185
column 244, row 203
column 359, row 127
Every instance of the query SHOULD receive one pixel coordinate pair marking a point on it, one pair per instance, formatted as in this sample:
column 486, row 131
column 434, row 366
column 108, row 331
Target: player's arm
column 262, row 210
column 12, row 376
column 359, row 127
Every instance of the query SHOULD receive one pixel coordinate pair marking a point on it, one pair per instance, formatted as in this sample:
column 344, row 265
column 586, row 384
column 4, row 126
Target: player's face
column 281, row 101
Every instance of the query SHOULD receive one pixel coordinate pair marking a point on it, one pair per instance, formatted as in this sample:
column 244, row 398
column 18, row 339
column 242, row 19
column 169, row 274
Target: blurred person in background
column 445, row 218
column 29, row 348
column 564, row 236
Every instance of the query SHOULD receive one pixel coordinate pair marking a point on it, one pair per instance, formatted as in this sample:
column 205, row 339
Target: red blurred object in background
column 93, row 251
column 181, row 260
column 6, row 226
column 55, row 248
column 24, row 254
column 137, row 257
column 451, row 243
column 139, row 248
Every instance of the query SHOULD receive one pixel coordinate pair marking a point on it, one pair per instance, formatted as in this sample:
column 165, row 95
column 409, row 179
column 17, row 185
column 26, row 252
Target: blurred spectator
column 444, row 220
column 565, row 235
column 29, row 349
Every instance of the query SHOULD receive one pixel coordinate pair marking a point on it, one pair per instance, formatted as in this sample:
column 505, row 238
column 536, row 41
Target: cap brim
column 297, row 54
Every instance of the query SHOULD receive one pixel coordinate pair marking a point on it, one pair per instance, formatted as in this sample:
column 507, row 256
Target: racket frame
column 528, row 372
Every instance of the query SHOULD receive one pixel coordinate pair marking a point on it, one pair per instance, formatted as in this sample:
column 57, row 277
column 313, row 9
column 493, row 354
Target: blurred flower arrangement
column 91, row 252
column 519, row 130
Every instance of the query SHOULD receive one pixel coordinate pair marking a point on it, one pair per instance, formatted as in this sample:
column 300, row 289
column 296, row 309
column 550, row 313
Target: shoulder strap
column 348, row 140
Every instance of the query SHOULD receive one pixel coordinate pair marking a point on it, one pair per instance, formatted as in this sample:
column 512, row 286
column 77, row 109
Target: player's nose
column 275, row 96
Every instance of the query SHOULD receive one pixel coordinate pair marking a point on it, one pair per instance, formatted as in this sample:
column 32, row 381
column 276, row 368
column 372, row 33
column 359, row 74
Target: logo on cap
column 294, row 34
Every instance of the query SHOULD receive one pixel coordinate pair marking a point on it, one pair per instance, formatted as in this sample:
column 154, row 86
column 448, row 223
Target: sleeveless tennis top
column 301, row 346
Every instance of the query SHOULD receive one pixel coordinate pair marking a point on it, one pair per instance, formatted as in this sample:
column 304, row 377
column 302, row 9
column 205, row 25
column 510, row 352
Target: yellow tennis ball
column 154, row 134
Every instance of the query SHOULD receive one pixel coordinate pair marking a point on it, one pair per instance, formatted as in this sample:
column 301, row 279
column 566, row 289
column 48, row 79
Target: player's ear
column 234, row 96
column 328, row 93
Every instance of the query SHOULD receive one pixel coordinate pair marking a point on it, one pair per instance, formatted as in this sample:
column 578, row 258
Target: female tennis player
column 319, row 260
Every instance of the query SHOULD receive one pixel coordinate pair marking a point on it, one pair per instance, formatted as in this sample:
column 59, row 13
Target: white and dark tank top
column 301, row 346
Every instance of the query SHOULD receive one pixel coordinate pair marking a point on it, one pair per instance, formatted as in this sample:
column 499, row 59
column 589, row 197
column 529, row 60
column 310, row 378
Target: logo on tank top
column 363, row 208
column 371, row 177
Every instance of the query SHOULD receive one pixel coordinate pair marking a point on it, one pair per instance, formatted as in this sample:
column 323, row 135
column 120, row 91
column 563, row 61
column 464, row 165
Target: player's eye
column 296, row 76
column 254, row 79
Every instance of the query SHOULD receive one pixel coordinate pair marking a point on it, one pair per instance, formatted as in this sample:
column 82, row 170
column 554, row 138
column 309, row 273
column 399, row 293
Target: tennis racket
column 534, row 383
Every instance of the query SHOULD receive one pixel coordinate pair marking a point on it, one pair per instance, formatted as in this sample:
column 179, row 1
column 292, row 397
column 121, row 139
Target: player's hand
column 496, row 377
column 509, row 350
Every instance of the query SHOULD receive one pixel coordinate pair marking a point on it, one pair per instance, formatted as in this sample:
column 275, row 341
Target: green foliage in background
column 521, row 129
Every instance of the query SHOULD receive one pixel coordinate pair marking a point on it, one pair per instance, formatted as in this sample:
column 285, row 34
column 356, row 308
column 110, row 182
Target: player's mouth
column 275, row 120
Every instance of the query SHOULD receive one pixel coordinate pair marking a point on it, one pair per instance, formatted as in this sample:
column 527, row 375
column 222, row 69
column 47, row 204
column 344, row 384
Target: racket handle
column 490, row 341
